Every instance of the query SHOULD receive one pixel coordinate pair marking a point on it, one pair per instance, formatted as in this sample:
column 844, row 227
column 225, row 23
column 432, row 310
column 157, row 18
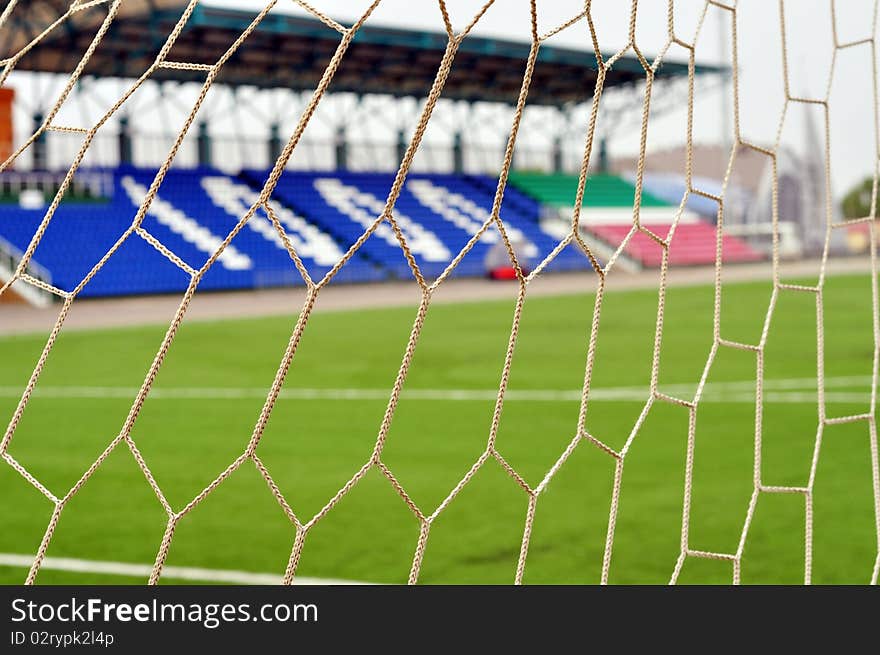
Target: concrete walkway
column 151, row 310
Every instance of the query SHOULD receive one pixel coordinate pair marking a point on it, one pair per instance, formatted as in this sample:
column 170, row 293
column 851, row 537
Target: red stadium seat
column 692, row 244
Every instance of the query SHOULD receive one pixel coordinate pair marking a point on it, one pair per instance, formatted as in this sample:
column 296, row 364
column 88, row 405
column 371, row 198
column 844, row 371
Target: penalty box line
column 790, row 390
column 188, row 573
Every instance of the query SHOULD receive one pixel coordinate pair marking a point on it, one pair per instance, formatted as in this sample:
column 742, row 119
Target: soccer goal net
column 686, row 26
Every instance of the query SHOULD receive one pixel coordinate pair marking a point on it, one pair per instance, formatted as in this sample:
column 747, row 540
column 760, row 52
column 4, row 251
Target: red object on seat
column 504, row 273
column 692, row 243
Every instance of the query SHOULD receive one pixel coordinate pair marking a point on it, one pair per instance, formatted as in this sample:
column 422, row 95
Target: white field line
column 791, row 390
column 170, row 572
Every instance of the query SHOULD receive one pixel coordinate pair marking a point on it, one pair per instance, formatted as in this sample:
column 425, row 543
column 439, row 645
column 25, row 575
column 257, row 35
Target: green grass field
column 312, row 447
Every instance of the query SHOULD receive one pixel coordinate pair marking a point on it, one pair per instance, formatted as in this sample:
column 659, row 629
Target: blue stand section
column 324, row 213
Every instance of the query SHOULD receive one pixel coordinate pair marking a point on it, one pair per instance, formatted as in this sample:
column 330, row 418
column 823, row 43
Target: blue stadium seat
column 188, row 220
column 437, row 214
column 322, row 213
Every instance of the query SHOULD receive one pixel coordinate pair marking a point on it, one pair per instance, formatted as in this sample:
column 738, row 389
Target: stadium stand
column 322, row 213
column 436, row 213
column 607, row 217
column 692, row 243
column 192, row 213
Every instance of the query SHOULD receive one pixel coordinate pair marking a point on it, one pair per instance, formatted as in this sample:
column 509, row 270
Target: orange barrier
column 6, row 98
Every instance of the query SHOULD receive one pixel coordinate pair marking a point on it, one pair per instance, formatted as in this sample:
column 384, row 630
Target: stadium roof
column 292, row 52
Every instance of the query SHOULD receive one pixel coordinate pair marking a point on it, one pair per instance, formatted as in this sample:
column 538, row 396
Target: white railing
column 232, row 153
column 790, row 245
column 94, row 183
column 10, row 256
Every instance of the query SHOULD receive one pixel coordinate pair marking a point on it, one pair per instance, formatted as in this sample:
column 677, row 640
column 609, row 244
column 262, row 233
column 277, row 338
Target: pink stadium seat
column 692, row 244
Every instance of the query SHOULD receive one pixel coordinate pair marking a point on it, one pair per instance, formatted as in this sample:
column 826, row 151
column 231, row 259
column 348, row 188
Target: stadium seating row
column 608, row 218
column 603, row 190
column 692, row 243
column 323, row 214
column 437, row 214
